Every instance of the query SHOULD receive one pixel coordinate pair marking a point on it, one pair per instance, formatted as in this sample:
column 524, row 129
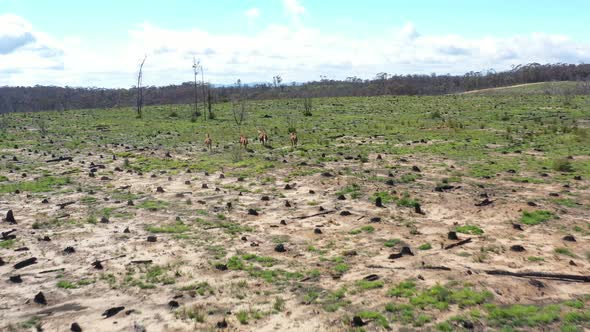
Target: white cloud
column 296, row 52
column 253, row 13
column 293, row 7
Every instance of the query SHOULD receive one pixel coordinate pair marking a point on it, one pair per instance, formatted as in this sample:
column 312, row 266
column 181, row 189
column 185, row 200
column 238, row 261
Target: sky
column 101, row 43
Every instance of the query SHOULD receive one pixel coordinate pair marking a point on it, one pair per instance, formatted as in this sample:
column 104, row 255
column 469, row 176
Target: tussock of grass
column 536, row 217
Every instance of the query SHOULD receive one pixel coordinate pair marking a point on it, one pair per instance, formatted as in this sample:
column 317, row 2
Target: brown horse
column 208, row 141
column 243, row 141
column 262, row 137
column 293, row 139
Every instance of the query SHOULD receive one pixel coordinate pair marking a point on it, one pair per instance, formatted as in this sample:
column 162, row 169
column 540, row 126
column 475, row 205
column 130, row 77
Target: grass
column 353, row 190
column 425, row 246
column 536, row 217
column 392, row 242
column 178, row 227
column 368, row 285
column 7, row 244
column 152, row 205
column 366, row 229
column 469, row 229
column 564, row 251
column 519, row 315
column 42, row 184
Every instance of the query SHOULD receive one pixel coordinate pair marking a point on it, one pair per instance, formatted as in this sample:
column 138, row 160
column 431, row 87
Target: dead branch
column 314, row 215
column 460, row 243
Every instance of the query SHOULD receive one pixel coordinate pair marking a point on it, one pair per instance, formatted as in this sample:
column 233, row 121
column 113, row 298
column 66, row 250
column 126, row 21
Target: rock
column 280, row 248
column 173, row 304
column 222, row 176
column 104, row 220
column 468, row 325
column 416, row 169
column 252, row 212
column 221, row 267
column 283, row 222
column 2, row 263
column 375, row 219
column 531, row 204
column 97, row 265
column 204, row 186
column 317, row 231
column 379, row 157
column 327, row 175
column 45, row 201
column 112, row 311
column 288, row 187
column 452, row 236
column 569, row 238
column 126, row 230
column 345, row 213
column 10, row 217
column 152, row 238
column 265, row 198
column 517, row 227
column 222, row 324
column 341, row 198
column 287, row 204
column 159, row 190
column 321, row 209
column 75, row 328
column 187, row 182
column 15, row 279
column 40, row 299
column 69, row 250
column 517, row 248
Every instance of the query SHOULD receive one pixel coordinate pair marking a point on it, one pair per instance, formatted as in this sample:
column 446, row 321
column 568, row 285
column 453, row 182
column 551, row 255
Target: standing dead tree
column 203, row 90
column 239, row 113
column 195, row 71
column 140, row 88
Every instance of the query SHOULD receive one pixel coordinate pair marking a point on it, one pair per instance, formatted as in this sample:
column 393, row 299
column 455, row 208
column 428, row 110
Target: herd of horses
column 262, row 138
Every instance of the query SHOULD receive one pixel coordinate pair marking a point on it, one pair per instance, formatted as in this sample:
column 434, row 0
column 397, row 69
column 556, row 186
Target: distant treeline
column 38, row 98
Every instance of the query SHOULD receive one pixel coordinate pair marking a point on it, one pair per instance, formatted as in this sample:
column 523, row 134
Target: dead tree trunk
column 140, row 89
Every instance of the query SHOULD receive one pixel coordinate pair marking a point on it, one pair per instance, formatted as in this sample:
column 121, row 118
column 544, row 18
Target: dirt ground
column 192, row 256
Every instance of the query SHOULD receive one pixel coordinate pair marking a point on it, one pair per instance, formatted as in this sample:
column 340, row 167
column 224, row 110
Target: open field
column 276, row 238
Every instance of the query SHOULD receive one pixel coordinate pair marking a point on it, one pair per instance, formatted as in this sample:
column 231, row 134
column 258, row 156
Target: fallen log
column 63, row 205
column 59, row 159
column 441, row 268
column 544, row 275
column 5, row 234
column 460, row 243
column 25, row 263
column 314, row 215
column 54, row 270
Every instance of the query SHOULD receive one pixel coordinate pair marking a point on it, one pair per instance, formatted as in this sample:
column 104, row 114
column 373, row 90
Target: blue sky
column 98, row 43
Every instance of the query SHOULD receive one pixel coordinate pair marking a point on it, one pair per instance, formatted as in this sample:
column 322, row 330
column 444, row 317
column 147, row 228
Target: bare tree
column 140, row 88
column 211, row 115
column 203, row 90
column 195, row 71
column 239, row 112
column 307, row 107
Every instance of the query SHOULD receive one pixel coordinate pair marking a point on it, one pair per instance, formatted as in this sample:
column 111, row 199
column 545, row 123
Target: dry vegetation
column 391, row 213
